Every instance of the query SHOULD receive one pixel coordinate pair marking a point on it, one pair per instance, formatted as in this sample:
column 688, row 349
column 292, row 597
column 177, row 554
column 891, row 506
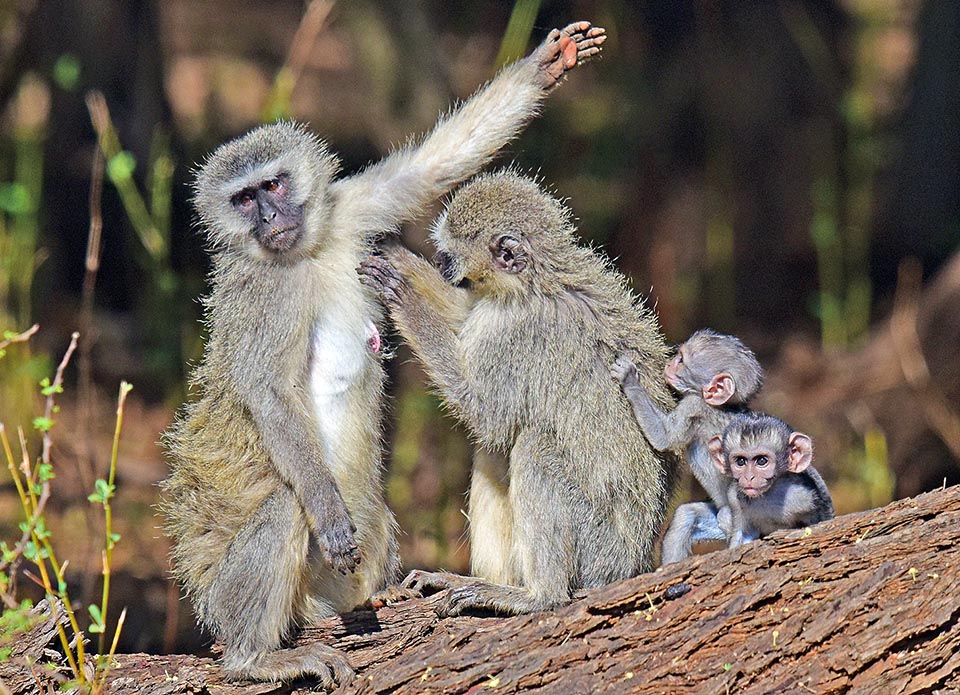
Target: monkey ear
column 509, row 253
column 801, row 452
column 715, row 447
column 720, row 389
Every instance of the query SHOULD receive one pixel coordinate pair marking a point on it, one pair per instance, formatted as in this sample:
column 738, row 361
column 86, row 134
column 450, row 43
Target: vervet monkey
column 522, row 358
column 275, row 500
column 773, row 486
column 716, row 375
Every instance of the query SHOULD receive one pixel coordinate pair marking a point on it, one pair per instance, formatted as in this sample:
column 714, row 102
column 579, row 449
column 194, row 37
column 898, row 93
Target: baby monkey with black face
column 716, row 375
column 773, row 484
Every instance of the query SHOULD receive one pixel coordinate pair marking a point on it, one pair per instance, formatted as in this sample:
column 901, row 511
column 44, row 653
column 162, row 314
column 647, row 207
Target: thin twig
column 56, row 386
column 20, row 338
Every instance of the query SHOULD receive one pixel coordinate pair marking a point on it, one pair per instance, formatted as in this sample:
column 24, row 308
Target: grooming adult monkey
column 716, row 374
column 275, row 499
column 522, row 359
column 773, row 484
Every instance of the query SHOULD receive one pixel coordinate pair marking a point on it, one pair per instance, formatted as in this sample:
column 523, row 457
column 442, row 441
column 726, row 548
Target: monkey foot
column 426, row 583
column 320, row 661
column 390, row 595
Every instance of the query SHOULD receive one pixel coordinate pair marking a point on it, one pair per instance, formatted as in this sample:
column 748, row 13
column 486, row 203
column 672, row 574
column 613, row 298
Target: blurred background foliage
column 786, row 170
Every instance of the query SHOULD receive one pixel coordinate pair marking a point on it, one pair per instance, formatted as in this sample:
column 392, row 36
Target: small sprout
column 48, row 389
column 97, row 625
column 913, row 573
column 727, row 666
column 426, row 673
column 628, row 675
column 42, row 424
column 933, row 575
column 807, row 532
column 45, row 472
column 863, row 536
column 493, row 682
column 776, row 634
column 104, row 491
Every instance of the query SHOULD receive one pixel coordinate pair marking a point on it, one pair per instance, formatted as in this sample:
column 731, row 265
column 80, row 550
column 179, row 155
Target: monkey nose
column 270, row 216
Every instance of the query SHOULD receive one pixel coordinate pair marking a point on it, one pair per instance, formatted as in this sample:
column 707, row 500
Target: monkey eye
column 762, row 460
column 739, row 461
column 270, row 185
column 244, row 198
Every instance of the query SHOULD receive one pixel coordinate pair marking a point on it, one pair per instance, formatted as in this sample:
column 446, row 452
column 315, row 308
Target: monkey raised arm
column 664, row 431
column 400, row 186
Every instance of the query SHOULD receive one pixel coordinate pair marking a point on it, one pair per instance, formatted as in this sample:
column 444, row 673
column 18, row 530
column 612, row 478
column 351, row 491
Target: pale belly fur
column 338, row 360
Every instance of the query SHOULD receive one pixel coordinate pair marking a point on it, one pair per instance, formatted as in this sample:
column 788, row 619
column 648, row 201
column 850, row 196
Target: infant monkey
column 773, row 485
column 716, row 375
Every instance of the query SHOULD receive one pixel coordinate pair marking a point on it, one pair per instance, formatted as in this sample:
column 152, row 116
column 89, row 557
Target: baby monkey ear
column 720, row 389
column 801, row 452
column 715, row 447
column 509, row 253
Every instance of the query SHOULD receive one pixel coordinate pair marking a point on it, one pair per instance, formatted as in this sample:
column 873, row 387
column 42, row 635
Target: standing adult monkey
column 275, row 500
column 525, row 366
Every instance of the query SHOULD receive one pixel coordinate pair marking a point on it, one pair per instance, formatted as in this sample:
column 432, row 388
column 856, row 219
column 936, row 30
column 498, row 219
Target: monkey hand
column 334, row 531
column 624, row 371
column 564, row 49
column 380, row 274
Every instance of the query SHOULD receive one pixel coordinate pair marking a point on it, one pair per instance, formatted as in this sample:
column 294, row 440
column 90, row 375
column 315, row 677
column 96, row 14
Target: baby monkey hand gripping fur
column 716, row 375
column 275, row 500
column 521, row 357
column 774, row 486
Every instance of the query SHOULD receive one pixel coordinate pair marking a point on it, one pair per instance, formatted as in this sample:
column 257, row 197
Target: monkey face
column 275, row 220
column 263, row 194
column 753, row 468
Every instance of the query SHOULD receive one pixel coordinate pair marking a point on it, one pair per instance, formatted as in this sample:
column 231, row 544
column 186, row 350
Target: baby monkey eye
column 762, row 460
column 739, row 461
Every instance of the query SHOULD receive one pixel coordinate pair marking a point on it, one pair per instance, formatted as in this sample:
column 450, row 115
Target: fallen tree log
column 866, row 603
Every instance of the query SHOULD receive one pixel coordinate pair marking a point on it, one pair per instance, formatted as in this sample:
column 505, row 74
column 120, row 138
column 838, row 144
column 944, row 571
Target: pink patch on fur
column 373, row 337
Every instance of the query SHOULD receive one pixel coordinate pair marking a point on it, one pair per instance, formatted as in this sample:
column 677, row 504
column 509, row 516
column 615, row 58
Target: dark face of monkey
column 719, row 368
column 493, row 228
column 757, row 450
column 264, row 195
column 276, row 221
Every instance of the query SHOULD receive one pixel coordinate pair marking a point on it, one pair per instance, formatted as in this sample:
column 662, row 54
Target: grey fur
column 693, row 422
column 275, row 500
column 523, row 362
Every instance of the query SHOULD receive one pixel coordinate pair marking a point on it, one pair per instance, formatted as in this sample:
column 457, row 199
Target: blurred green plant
column 843, row 192
column 32, row 479
column 20, row 252
column 161, row 310
column 517, row 34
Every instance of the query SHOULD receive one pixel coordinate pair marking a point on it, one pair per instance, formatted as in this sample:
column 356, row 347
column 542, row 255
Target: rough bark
column 866, row 603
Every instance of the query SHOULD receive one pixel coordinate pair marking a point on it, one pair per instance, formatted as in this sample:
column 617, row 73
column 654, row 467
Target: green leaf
column 121, row 166
column 15, row 199
column 48, row 389
column 45, row 472
column 66, row 72
column 42, row 424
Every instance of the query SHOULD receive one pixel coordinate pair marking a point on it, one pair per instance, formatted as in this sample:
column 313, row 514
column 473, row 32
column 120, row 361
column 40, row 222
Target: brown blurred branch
column 906, row 340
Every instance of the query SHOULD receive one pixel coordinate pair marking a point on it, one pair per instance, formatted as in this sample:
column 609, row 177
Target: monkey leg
column 544, row 536
column 491, row 520
column 692, row 522
column 256, row 598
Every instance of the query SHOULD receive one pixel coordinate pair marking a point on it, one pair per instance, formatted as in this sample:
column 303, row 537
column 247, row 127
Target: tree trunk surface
column 867, row 603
